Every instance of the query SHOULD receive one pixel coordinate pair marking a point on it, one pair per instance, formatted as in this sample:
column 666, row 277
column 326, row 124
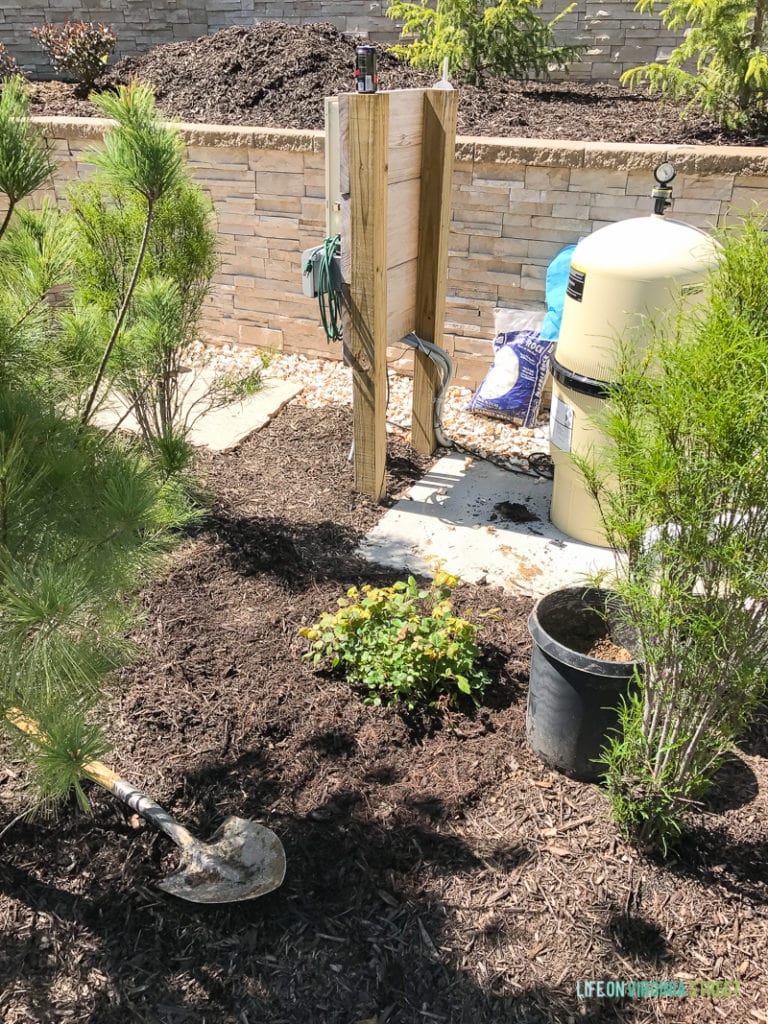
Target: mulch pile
column 278, row 75
column 437, row 872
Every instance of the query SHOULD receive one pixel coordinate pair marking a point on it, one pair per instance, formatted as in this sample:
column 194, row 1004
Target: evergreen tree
column 144, row 253
column 722, row 63
column 480, row 37
column 83, row 516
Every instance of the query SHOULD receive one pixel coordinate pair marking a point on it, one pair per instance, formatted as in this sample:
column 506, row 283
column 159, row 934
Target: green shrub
column 84, row 517
column 77, row 48
column 683, row 492
column 503, row 38
column 722, row 63
column 401, row 644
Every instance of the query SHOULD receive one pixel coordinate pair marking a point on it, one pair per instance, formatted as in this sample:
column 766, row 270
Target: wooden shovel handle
column 113, row 783
column 93, row 769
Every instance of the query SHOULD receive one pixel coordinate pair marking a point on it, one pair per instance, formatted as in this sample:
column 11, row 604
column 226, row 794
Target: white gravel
column 328, row 382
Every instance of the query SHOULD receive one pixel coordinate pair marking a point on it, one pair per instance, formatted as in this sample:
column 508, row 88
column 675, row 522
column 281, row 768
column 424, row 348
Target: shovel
column 243, row 860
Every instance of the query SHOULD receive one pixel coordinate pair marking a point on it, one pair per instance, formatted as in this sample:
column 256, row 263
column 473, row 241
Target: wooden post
column 438, row 148
column 368, row 128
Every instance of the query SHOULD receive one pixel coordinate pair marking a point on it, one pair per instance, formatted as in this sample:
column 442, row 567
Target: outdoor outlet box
column 310, row 271
column 311, row 260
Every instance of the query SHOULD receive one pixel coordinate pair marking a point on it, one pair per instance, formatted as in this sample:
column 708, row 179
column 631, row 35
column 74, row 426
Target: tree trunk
column 120, row 318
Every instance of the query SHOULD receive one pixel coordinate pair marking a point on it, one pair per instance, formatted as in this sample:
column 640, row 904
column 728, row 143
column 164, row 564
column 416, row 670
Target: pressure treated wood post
column 438, row 148
column 367, row 342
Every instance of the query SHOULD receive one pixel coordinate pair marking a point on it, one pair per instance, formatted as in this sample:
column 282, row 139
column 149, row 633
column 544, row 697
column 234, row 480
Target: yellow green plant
column 401, row 644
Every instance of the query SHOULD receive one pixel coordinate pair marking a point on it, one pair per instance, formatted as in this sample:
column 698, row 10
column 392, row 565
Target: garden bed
column 436, row 870
column 276, row 75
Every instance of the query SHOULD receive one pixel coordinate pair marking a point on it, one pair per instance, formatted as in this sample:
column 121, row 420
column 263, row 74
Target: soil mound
column 273, row 74
column 277, row 75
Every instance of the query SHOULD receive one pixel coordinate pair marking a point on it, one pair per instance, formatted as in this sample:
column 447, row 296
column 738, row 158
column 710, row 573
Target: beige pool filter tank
column 625, row 278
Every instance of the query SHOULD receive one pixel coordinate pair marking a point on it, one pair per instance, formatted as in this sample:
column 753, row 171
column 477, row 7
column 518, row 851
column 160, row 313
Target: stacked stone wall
column 515, row 204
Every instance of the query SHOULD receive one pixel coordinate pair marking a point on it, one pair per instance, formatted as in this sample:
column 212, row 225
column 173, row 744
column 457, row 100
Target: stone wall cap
column 255, row 137
column 538, row 152
column 481, row 148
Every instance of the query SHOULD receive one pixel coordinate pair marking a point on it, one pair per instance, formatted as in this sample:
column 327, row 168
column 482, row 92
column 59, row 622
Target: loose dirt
column 606, row 650
column 278, row 75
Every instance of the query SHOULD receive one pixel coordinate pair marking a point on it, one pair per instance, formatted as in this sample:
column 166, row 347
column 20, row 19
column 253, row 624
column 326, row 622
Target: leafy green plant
column 77, row 48
column 480, row 37
column 721, row 64
column 683, row 493
column 401, row 644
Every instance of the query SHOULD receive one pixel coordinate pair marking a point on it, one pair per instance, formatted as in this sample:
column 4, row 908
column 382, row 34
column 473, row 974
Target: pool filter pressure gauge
column 665, row 173
column 662, row 192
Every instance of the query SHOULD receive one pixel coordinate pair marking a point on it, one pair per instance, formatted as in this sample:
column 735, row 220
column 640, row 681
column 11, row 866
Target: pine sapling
column 141, row 155
column 24, row 159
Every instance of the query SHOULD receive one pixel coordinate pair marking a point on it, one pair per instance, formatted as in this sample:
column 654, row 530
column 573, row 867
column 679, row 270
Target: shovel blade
column 242, row 861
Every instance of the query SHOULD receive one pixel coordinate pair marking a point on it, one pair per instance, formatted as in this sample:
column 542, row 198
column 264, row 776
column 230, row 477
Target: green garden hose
column 328, row 292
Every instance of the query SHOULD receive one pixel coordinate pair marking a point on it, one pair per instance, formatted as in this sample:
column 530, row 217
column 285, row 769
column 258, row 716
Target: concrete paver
column 457, row 514
column 217, row 429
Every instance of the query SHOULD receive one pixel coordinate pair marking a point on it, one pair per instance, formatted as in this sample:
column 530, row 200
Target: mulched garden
column 278, row 75
column 436, row 870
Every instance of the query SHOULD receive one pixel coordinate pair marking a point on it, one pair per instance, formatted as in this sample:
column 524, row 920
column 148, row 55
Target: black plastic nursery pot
column 573, row 698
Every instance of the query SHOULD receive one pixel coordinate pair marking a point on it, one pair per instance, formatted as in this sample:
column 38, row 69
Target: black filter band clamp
column 579, row 383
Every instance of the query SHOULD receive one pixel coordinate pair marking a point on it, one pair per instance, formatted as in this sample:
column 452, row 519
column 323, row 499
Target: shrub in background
column 722, row 63
column 80, row 49
column 401, row 644
column 683, row 492
column 8, row 65
column 485, row 38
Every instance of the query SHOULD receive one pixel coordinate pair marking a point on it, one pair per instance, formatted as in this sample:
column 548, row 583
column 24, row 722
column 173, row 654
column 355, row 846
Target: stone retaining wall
column 515, row 205
column 614, row 37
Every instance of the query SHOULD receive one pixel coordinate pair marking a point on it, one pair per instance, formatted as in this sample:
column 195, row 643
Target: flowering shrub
column 402, row 644
column 8, row 66
column 77, row 48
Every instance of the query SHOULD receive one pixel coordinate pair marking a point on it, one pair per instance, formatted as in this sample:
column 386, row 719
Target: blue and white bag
column 514, row 384
column 512, row 387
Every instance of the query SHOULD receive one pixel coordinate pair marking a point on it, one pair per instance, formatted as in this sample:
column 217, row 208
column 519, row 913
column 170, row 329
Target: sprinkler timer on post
column 366, row 73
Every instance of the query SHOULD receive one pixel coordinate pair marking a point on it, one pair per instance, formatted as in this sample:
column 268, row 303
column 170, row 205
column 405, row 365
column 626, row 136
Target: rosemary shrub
column 683, row 493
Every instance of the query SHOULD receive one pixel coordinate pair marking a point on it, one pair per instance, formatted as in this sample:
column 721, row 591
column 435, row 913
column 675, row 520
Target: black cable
column 540, row 464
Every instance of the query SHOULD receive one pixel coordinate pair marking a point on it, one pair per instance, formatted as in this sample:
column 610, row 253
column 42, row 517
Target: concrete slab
column 217, row 429
column 464, row 512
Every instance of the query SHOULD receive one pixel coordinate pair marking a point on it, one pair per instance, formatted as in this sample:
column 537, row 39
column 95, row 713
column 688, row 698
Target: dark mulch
column 436, row 871
column 278, row 75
